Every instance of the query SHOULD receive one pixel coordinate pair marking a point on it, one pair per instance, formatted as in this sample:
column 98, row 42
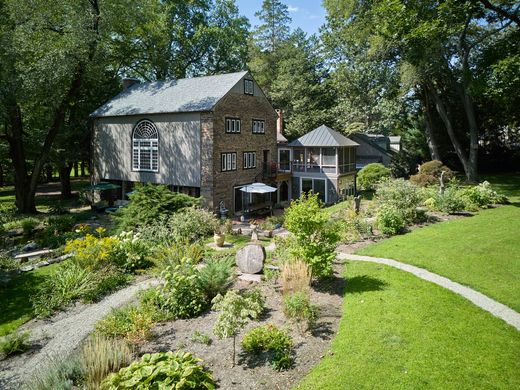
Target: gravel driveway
column 62, row 334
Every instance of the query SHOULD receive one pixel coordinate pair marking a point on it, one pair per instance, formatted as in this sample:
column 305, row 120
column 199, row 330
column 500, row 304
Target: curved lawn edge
column 483, row 301
column 397, row 331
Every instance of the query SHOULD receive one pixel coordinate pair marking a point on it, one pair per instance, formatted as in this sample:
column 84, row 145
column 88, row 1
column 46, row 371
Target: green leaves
column 164, row 370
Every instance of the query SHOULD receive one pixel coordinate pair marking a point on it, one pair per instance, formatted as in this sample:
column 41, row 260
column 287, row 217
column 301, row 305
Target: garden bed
column 255, row 372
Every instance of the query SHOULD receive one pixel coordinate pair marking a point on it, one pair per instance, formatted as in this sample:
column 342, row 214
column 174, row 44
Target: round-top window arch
column 145, row 147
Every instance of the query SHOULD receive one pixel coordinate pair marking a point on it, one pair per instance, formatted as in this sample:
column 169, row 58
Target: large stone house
column 204, row 136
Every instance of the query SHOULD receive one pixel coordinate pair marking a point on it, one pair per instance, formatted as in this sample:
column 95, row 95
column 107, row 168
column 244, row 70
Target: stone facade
column 246, row 108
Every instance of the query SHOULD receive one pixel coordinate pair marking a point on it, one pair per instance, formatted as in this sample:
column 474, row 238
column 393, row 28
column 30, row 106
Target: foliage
column 272, row 222
column 235, row 310
column 297, row 307
column 61, row 223
column 150, row 202
column 162, row 370
column 92, row 252
column 180, row 295
column 171, row 254
column 390, row 219
column 101, row 356
column 131, row 252
column 216, row 276
column 130, row 323
column 371, row 174
column 353, row 226
column 314, row 238
column 269, row 338
column 29, row 225
column 107, row 280
column 295, row 276
column 430, row 173
column 401, row 195
column 68, row 282
column 7, row 263
column 451, row 201
column 58, row 209
column 62, row 374
column 201, row 338
column 13, row 343
column 482, row 195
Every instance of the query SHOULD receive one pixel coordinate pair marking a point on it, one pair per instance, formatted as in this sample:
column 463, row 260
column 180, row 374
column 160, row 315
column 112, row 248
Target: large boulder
column 250, row 259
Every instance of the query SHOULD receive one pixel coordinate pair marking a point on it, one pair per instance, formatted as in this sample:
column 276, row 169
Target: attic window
column 145, row 147
column 248, row 87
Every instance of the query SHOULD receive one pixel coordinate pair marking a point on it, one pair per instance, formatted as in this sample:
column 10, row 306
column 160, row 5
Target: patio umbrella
column 258, row 188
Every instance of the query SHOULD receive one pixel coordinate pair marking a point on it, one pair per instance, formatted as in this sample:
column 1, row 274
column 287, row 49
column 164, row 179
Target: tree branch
column 502, row 12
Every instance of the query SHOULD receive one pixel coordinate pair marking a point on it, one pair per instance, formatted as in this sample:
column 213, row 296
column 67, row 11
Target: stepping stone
column 257, row 278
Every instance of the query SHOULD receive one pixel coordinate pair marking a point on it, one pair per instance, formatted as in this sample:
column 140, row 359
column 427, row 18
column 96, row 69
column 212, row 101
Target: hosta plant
column 163, row 370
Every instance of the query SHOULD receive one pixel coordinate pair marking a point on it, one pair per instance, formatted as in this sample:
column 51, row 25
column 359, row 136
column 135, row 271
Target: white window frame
column 258, row 126
column 249, row 87
column 249, row 160
column 145, row 138
column 228, row 161
column 233, row 125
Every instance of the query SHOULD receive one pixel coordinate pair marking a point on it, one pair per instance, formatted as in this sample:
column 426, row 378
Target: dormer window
column 248, row 87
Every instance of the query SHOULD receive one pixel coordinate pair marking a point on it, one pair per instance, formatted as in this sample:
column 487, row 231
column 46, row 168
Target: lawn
column 400, row 332
column 15, row 304
column 482, row 251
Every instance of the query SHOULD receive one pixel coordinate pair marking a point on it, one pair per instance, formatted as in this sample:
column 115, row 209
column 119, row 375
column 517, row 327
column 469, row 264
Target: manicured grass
column 507, row 184
column 400, row 332
column 482, row 251
column 15, row 304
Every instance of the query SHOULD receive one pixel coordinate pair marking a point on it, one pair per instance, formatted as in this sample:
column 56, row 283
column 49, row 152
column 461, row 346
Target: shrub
column 216, row 277
column 430, row 173
column 390, row 220
column 451, row 201
column 29, row 225
column 371, row 174
column 272, row 222
column 201, row 338
column 401, row 195
column 192, row 224
column 163, row 370
column 295, row 276
column 353, row 227
column 13, row 343
column 62, row 223
column 173, row 253
column 181, row 295
column 297, row 307
column 270, row 339
column 93, row 252
column 314, row 238
column 131, row 252
column 130, row 323
column 101, row 356
column 58, row 208
column 107, row 280
column 7, row 263
column 481, row 195
column 68, row 282
column 150, row 202
column 235, row 310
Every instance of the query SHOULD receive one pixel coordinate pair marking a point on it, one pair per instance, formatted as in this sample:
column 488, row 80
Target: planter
column 219, row 239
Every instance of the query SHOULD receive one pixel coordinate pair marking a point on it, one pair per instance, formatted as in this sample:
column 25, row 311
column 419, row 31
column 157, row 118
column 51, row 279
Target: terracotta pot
column 219, row 239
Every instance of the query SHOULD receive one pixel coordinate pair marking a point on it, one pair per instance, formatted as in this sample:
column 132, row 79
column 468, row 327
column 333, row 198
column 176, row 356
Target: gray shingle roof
column 183, row 95
column 323, row 136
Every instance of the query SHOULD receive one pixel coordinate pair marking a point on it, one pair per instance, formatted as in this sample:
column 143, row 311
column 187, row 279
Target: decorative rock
column 250, row 258
column 251, row 277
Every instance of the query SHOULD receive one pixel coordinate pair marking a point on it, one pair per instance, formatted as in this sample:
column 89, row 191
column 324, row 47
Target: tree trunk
column 76, row 169
column 1, row 176
column 82, row 168
column 66, row 189
column 48, row 173
column 428, row 128
column 443, row 113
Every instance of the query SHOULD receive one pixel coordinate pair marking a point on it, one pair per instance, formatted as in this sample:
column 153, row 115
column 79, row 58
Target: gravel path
column 61, row 335
column 483, row 301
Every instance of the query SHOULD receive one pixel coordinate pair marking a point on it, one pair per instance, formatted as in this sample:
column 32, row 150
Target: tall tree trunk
column 443, row 113
column 82, row 167
column 66, row 188
column 428, row 128
column 1, row 176
column 76, row 169
column 48, row 173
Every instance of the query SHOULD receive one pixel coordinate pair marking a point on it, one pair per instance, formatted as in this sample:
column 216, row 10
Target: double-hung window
column 249, row 87
column 145, row 147
column 249, row 160
column 228, row 161
column 232, row 125
column 258, row 126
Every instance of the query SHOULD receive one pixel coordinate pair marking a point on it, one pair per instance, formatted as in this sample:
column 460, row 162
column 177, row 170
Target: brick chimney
column 129, row 81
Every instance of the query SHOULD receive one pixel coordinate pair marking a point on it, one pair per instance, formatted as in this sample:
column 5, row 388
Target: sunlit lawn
column 401, row 332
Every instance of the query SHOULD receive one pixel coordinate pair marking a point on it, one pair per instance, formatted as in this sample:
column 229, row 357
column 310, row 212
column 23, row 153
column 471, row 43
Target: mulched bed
column 255, row 372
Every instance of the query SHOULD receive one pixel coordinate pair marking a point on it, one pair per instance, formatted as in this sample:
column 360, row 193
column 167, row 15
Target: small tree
column 315, row 238
column 235, row 311
column 371, row 174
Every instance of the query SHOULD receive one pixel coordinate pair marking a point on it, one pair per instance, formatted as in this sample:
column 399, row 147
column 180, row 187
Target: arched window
column 145, row 147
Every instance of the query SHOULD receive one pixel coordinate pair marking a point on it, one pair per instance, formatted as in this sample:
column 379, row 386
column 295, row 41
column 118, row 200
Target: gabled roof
column 160, row 97
column 323, row 136
column 368, row 138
